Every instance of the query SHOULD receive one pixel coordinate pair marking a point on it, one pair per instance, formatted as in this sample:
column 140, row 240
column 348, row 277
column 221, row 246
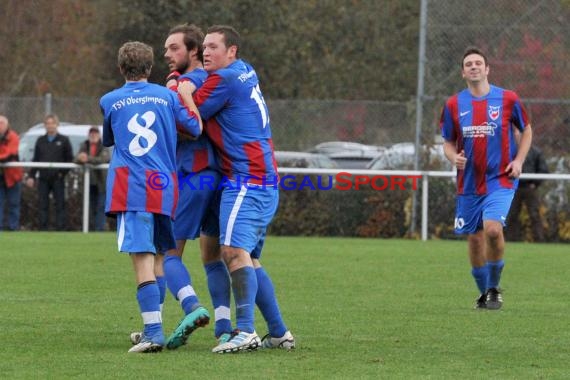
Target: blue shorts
column 472, row 210
column 198, row 209
column 142, row 232
column 245, row 214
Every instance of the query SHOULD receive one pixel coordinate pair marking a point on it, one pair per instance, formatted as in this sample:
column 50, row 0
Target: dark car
column 402, row 156
column 289, row 159
column 349, row 155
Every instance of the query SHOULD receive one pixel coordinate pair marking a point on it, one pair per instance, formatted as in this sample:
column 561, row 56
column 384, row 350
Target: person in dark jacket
column 11, row 177
column 93, row 152
column 527, row 194
column 51, row 147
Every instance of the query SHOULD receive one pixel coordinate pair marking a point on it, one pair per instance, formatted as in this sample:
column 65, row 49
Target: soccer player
column 140, row 120
column 237, row 122
column 478, row 127
column 197, row 213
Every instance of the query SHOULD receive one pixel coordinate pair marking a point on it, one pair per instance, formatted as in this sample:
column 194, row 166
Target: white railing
column 425, row 175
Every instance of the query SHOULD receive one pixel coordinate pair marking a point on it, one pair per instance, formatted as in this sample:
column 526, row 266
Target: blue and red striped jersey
column 237, row 123
column 483, row 128
column 139, row 120
column 195, row 155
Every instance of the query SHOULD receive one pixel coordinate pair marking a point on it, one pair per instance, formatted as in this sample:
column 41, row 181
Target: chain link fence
column 527, row 43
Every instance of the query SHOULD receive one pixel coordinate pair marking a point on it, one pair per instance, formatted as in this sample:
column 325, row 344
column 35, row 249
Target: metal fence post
column 86, row 186
column 419, row 102
column 48, row 103
column 425, row 201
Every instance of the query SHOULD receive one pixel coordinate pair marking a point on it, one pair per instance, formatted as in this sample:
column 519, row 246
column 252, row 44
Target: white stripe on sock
column 222, row 312
column 185, row 292
column 151, row 317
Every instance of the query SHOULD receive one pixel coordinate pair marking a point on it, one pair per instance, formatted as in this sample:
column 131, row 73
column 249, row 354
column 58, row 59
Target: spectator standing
column 10, row 178
column 93, row 152
column 51, row 147
column 527, row 194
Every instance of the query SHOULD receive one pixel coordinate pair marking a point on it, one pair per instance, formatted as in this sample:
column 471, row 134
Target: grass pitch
column 359, row 308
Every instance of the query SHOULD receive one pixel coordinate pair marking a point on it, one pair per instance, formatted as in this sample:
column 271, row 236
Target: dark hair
column 193, row 37
column 135, row 60
column 231, row 36
column 474, row 50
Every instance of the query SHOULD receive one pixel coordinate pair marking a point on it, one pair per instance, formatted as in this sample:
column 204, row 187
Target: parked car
column 77, row 133
column 349, row 155
column 401, row 156
column 289, row 159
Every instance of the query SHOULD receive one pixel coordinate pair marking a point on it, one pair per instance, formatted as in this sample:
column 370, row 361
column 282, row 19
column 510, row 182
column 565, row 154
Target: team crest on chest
column 494, row 112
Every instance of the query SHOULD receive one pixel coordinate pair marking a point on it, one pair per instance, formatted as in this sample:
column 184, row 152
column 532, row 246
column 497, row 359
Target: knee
column 229, row 254
column 234, row 258
column 494, row 232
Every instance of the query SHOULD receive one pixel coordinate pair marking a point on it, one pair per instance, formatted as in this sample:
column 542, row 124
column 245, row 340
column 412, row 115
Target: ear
column 232, row 51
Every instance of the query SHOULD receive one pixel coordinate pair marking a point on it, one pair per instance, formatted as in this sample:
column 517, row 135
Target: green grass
column 359, row 308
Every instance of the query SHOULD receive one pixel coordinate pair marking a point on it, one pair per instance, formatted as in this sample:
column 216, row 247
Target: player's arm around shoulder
column 189, row 118
column 214, row 94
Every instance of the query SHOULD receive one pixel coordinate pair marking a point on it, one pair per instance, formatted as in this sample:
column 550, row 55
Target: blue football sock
column 148, row 297
column 179, row 283
column 161, row 282
column 244, row 286
column 267, row 303
column 495, row 270
column 481, row 276
column 219, row 285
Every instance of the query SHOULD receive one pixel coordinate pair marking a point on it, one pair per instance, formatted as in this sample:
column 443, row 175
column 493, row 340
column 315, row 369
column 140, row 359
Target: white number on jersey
column 140, row 131
column 256, row 95
column 459, row 223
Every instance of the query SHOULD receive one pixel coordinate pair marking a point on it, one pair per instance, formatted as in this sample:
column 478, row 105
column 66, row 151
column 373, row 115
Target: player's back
column 139, row 120
column 238, row 121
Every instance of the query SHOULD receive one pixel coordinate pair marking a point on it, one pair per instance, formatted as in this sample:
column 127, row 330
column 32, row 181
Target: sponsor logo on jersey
column 478, row 131
column 494, row 112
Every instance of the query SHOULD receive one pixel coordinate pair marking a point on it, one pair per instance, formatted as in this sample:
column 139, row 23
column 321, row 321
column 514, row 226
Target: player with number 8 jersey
column 140, row 120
